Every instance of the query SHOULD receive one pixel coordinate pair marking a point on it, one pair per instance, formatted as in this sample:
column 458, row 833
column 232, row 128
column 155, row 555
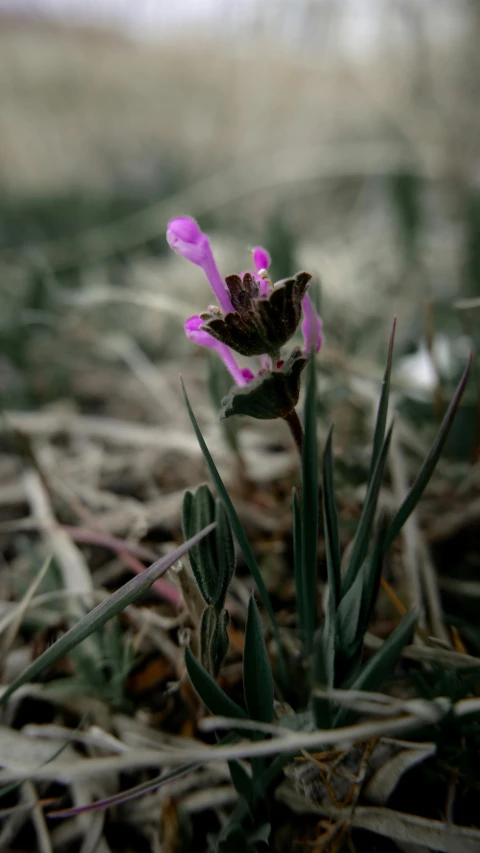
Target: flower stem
column 296, row 429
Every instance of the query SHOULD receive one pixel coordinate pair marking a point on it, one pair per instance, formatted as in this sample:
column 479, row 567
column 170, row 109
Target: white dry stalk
column 107, row 430
column 432, row 592
column 143, row 368
column 30, row 796
column 18, row 613
column 95, row 737
column 91, row 825
column 75, row 572
column 39, row 601
column 429, row 654
column 68, row 770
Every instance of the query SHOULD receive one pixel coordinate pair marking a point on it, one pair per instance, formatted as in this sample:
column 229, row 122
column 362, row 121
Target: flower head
column 255, row 318
column 259, row 325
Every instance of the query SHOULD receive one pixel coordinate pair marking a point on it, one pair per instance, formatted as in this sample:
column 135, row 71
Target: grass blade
column 372, row 574
column 362, row 535
column 215, row 699
column 310, row 506
column 384, row 661
column 242, row 783
column 128, row 795
column 257, row 672
column 298, row 562
column 330, row 524
column 412, row 498
column 236, row 524
column 382, row 411
column 94, row 620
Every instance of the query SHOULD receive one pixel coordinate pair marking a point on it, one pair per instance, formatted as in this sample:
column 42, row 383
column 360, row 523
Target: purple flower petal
column 311, row 326
column 199, row 336
column 261, row 258
column 186, row 239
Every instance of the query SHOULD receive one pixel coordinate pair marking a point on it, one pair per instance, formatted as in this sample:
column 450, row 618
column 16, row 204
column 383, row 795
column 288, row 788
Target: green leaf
column 310, row 506
column 324, row 669
column 242, row 782
column 94, row 620
column 212, row 696
column 365, row 524
column 271, row 395
column 414, row 494
column 372, row 573
column 330, row 523
column 212, row 559
column 257, row 672
column 208, row 624
column 225, row 551
column 213, row 638
column 383, row 663
column 348, row 614
column 299, row 564
column 199, row 510
column 237, row 527
column 382, row 411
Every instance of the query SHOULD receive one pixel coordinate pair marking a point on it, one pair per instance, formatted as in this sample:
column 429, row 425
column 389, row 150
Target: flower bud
column 186, row 239
column 261, row 258
column 311, row 326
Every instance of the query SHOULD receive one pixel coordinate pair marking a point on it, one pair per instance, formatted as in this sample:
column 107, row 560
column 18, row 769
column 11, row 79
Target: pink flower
column 311, row 326
column 195, row 333
column 186, row 239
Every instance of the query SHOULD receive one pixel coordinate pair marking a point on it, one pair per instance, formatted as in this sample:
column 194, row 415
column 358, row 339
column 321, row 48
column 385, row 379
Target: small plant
column 256, row 319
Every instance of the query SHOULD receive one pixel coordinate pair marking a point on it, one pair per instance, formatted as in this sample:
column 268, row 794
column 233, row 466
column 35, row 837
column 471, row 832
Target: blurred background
column 341, row 134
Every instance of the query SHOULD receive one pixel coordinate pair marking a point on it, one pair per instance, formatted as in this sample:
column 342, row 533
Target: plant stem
column 296, row 429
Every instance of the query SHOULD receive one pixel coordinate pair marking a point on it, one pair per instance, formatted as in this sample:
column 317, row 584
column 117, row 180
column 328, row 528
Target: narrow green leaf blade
column 330, row 524
column 94, row 620
column 299, row 564
column 412, row 498
column 257, row 672
column 364, row 529
column 381, row 665
column 382, row 411
column 236, row 524
column 225, row 551
column 198, row 511
column 310, row 506
column 215, row 699
column 348, row 616
column 374, row 673
column 242, row 782
column 324, row 667
column 372, row 573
